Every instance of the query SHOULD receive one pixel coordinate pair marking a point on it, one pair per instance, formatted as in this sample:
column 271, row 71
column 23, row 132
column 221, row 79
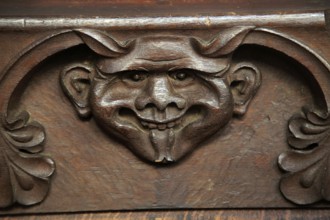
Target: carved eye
column 182, row 75
column 137, row 77
column 134, row 76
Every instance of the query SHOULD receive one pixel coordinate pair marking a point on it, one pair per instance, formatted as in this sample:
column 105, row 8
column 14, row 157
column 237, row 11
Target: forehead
column 162, row 53
column 161, row 49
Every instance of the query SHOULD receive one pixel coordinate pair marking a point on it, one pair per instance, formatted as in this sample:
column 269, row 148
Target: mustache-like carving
column 223, row 44
column 103, row 44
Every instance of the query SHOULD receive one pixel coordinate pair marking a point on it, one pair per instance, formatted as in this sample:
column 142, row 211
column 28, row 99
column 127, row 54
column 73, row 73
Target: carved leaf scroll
column 24, row 172
column 308, row 163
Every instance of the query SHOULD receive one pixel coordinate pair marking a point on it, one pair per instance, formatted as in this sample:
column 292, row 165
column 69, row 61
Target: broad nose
column 159, row 93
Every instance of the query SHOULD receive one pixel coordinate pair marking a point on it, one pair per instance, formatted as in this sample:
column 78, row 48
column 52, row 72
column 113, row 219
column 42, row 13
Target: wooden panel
column 168, row 115
column 155, row 8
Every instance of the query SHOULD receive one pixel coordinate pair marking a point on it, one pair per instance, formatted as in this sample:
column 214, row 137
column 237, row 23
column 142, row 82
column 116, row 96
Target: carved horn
column 103, row 44
column 224, row 43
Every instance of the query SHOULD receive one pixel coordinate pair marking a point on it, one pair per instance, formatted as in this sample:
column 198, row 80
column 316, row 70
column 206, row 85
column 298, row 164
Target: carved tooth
column 161, row 126
column 171, row 124
column 152, row 126
column 178, row 121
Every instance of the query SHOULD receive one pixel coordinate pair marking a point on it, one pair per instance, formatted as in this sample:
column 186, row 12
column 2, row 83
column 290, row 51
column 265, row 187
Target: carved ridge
column 24, row 171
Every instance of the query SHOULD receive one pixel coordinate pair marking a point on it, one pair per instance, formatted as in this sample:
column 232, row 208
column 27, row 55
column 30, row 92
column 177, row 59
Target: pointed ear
column 244, row 80
column 75, row 81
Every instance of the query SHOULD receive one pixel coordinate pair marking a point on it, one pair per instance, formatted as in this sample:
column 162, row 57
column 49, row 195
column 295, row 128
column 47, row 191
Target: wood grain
column 155, row 8
column 297, row 214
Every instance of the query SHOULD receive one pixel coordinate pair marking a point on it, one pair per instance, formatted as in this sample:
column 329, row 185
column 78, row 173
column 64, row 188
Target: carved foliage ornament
column 308, row 163
column 24, row 174
column 161, row 96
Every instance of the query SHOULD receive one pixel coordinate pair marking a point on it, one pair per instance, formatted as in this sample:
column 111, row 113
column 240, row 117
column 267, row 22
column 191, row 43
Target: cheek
column 107, row 99
column 216, row 105
column 215, row 102
column 222, row 104
column 111, row 95
column 212, row 94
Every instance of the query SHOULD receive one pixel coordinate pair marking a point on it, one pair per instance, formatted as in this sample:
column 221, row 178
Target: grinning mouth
column 160, row 126
column 177, row 122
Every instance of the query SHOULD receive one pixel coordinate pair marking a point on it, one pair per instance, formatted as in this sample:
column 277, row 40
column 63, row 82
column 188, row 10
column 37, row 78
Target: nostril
column 159, row 103
column 173, row 105
column 145, row 105
column 141, row 103
column 161, row 106
column 180, row 103
column 150, row 105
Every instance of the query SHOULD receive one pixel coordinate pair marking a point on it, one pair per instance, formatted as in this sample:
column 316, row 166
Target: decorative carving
column 307, row 164
column 161, row 95
column 24, row 172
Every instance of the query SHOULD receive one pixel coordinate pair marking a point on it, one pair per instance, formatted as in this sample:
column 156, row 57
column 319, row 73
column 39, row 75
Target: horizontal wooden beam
column 281, row 20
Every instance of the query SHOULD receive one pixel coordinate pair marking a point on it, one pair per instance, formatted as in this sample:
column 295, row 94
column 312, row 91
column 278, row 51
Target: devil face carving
column 162, row 96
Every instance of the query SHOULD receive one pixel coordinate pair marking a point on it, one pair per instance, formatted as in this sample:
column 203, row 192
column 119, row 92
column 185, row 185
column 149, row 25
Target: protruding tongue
column 162, row 141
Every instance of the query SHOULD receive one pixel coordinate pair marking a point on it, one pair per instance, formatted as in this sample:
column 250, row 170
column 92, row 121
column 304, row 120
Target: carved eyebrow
column 177, row 68
column 140, row 68
column 163, row 60
column 199, row 72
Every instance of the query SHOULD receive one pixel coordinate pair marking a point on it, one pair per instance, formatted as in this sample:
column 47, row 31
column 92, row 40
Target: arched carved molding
column 26, row 172
column 306, row 180
column 314, row 63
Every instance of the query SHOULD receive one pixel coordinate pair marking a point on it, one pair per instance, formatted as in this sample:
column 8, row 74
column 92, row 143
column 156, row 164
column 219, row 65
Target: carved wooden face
column 162, row 99
column 157, row 102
